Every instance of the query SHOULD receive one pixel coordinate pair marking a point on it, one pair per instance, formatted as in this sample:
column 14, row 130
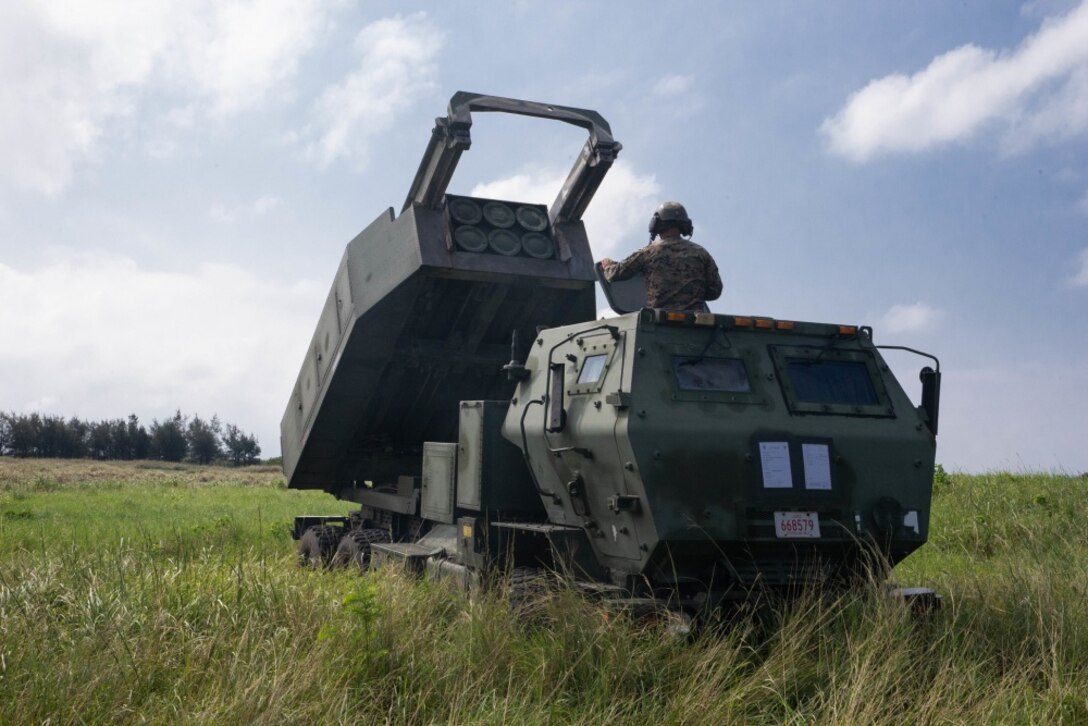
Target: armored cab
column 424, row 303
column 703, row 454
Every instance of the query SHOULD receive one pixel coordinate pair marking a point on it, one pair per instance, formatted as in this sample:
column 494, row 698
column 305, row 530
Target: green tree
column 50, row 435
column 168, row 438
column 139, row 441
column 74, row 437
column 23, row 435
column 242, row 449
column 101, row 440
column 203, row 439
column 118, row 439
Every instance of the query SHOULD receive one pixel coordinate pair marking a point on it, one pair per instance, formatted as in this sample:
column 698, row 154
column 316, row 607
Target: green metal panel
column 470, row 447
column 491, row 472
column 439, row 476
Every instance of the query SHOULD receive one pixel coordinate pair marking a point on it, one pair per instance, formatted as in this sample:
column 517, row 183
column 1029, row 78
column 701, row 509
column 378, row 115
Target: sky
column 178, row 180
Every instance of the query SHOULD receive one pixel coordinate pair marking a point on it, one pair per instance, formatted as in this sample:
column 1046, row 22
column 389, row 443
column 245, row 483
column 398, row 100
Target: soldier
column 680, row 275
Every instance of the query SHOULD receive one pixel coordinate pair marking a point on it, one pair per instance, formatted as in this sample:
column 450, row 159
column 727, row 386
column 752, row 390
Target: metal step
column 410, row 554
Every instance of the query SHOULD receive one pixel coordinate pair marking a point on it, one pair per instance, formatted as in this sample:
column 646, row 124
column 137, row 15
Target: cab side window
column 711, row 374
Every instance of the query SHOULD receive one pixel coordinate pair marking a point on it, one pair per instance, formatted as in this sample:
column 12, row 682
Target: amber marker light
column 764, row 323
column 675, row 317
column 848, row 330
column 742, row 322
column 785, row 325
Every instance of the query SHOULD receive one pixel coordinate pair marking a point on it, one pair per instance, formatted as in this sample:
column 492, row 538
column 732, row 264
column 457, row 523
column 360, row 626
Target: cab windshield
column 831, row 382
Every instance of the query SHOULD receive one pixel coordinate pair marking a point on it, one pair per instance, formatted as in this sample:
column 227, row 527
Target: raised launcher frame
column 419, row 316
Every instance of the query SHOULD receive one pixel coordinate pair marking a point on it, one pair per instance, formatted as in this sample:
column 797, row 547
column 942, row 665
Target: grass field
column 144, row 593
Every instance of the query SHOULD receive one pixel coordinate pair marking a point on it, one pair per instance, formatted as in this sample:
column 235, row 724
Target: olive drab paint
column 458, row 388
column 703, row 459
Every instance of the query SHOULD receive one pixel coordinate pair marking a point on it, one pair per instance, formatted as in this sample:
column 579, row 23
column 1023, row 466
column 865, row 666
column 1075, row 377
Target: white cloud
column 236, row 53
column 1081, row 278
column 910, row 318
column 258, row 208
column 396, row 68
column 672, row 85
column 617, row 218
column 266, row 204
column 1036, row 93
column 619, row 211
column 538, row 187
column 677, row 95
column 67, row 69
column 96, row 335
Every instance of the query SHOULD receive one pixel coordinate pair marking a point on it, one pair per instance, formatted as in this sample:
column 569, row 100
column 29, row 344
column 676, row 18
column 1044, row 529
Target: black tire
column 317, row 545
column 527, row 588
column 354, row 548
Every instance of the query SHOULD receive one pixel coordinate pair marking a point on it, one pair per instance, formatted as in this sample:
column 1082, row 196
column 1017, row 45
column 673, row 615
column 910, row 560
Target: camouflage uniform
column 680, row 275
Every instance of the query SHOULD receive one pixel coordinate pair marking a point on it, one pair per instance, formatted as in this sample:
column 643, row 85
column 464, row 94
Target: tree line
column 178, row 438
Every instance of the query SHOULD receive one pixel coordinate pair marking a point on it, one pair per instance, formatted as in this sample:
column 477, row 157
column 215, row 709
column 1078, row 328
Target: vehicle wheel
column 526, row 587
column 317, row 544
column 355, row 547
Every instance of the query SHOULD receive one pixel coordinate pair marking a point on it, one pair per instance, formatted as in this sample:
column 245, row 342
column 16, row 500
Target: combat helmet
column 670, row 214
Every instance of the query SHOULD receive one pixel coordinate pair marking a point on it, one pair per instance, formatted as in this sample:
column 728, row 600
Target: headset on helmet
column 670, row 214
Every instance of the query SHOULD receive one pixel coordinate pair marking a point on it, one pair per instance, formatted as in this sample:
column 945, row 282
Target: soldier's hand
column 607, row 262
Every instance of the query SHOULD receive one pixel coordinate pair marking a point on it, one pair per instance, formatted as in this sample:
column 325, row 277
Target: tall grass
column 148, row 595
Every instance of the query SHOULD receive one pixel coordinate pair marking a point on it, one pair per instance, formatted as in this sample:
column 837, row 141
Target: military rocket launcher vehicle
column 459, row 389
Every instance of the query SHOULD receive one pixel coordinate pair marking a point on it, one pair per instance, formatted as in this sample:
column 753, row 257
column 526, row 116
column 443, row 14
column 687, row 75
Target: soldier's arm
column 713, row 279
column 629, row 267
